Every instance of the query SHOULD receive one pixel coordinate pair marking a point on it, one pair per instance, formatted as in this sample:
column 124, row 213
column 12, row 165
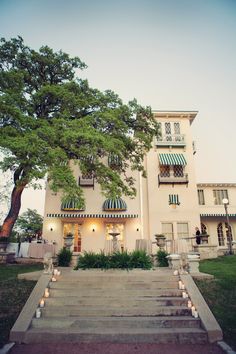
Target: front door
column 119, row 227
column 75, row 229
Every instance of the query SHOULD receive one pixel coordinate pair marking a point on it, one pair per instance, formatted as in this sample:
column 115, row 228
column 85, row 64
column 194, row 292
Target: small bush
column 161, row 258
column 120, row 260
column 64, row 257
column 92, row 260
column 140, row 259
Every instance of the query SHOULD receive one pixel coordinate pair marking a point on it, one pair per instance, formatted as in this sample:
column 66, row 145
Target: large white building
column 169, row 201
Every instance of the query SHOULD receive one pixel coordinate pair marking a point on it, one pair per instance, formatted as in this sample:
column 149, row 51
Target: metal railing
column 86, row 182
column 171, row 179
column 171, row 139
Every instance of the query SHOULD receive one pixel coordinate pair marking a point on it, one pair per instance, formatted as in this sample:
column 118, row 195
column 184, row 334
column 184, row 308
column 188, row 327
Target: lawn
column 13, row 295
column 220, row 293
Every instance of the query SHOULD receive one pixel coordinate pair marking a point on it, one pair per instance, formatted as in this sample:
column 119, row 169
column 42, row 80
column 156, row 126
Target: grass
column 220, row 293
column 13, row 295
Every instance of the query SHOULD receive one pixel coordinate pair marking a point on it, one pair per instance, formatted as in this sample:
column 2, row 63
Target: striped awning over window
column 174, row 199
column 72, row 204
column 172, row 159
column 86, row 216
column 116, row 204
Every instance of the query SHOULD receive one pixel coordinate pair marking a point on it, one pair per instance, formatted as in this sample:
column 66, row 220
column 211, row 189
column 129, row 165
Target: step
column 115, row 302
column 119, row 286
column 59, row 311
column 125, row 277
column 121, row 335
column 117, row 322
column 113, row 293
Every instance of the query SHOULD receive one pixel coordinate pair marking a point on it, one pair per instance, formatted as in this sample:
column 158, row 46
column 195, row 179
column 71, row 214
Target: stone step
column 109, row 293
column 121, row 335
column 59, row 311
column 116, row 322
column 119, row 286
column 114, row 279
column 115, row 302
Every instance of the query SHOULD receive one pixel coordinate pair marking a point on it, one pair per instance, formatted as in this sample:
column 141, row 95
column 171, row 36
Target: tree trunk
column 14, row 210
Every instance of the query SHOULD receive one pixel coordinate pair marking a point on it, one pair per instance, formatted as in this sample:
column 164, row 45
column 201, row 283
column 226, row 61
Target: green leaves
column 48, row 117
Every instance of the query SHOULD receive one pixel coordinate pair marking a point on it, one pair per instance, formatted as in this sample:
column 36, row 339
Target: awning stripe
column 216, row 215
column 172, row 159
column 116, row 216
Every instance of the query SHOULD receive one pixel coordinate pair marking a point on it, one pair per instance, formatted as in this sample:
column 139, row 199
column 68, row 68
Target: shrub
column 161, row 258
column 120, row 260
column 64, row 257
column 90, row 260
column 140, row 259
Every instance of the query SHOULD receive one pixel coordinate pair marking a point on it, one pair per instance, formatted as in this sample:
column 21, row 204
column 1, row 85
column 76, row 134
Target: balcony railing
column 86, row 182
column 172, row 179
column 171, row 140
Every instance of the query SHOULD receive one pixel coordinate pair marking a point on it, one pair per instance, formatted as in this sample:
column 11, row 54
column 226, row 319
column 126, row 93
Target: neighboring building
column 167, row 201
column 213, row 216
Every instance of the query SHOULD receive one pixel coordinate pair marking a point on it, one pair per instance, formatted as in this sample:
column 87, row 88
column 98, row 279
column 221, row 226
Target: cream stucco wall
column 151, row 203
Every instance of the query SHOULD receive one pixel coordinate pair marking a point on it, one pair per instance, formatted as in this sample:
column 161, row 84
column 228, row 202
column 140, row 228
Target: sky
column 169, row 54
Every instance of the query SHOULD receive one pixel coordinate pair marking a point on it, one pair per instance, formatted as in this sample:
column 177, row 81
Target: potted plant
column 160, row 239
column 68, row 240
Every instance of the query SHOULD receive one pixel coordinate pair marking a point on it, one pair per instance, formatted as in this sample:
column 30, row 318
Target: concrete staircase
column 116, row 306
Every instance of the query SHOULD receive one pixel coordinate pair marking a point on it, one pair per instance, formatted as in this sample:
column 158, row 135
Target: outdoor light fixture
column 51, row 229
column 93, row 230
column 226, row 203
column 137, row 229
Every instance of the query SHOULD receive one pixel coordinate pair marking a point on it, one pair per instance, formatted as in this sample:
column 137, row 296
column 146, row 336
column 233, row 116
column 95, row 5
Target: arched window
column 203, row 228
column 228, row 231
column 220, row 234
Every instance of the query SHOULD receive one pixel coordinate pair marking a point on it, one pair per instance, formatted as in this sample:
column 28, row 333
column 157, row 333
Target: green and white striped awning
column 72, row 204
column 174, row 199
column 172, row 159
column 93, row 216
column 217, row 215
column 116, row 204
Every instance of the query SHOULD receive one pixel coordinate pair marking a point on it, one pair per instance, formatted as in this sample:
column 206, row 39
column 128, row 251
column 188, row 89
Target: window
column 203, row 228
column 182, row 229
column 219, row 195
column 167, row 128
column 178, row 171
column 75, row 229
column 167, row 230
column 120, row 228
column 165, row 171
column 220, row 234
column 228, row 232
column 177, row 128
column 201, row 199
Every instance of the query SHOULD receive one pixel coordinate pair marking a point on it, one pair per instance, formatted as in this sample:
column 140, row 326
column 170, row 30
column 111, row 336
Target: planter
column 160, row 240
column 174, row 261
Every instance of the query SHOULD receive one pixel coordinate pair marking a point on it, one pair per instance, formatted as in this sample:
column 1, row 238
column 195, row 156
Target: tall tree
column 29, row 223
column 48, row 116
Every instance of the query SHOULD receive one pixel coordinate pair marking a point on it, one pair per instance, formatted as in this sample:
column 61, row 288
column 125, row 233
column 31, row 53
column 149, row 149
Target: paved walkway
column 115, row 348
